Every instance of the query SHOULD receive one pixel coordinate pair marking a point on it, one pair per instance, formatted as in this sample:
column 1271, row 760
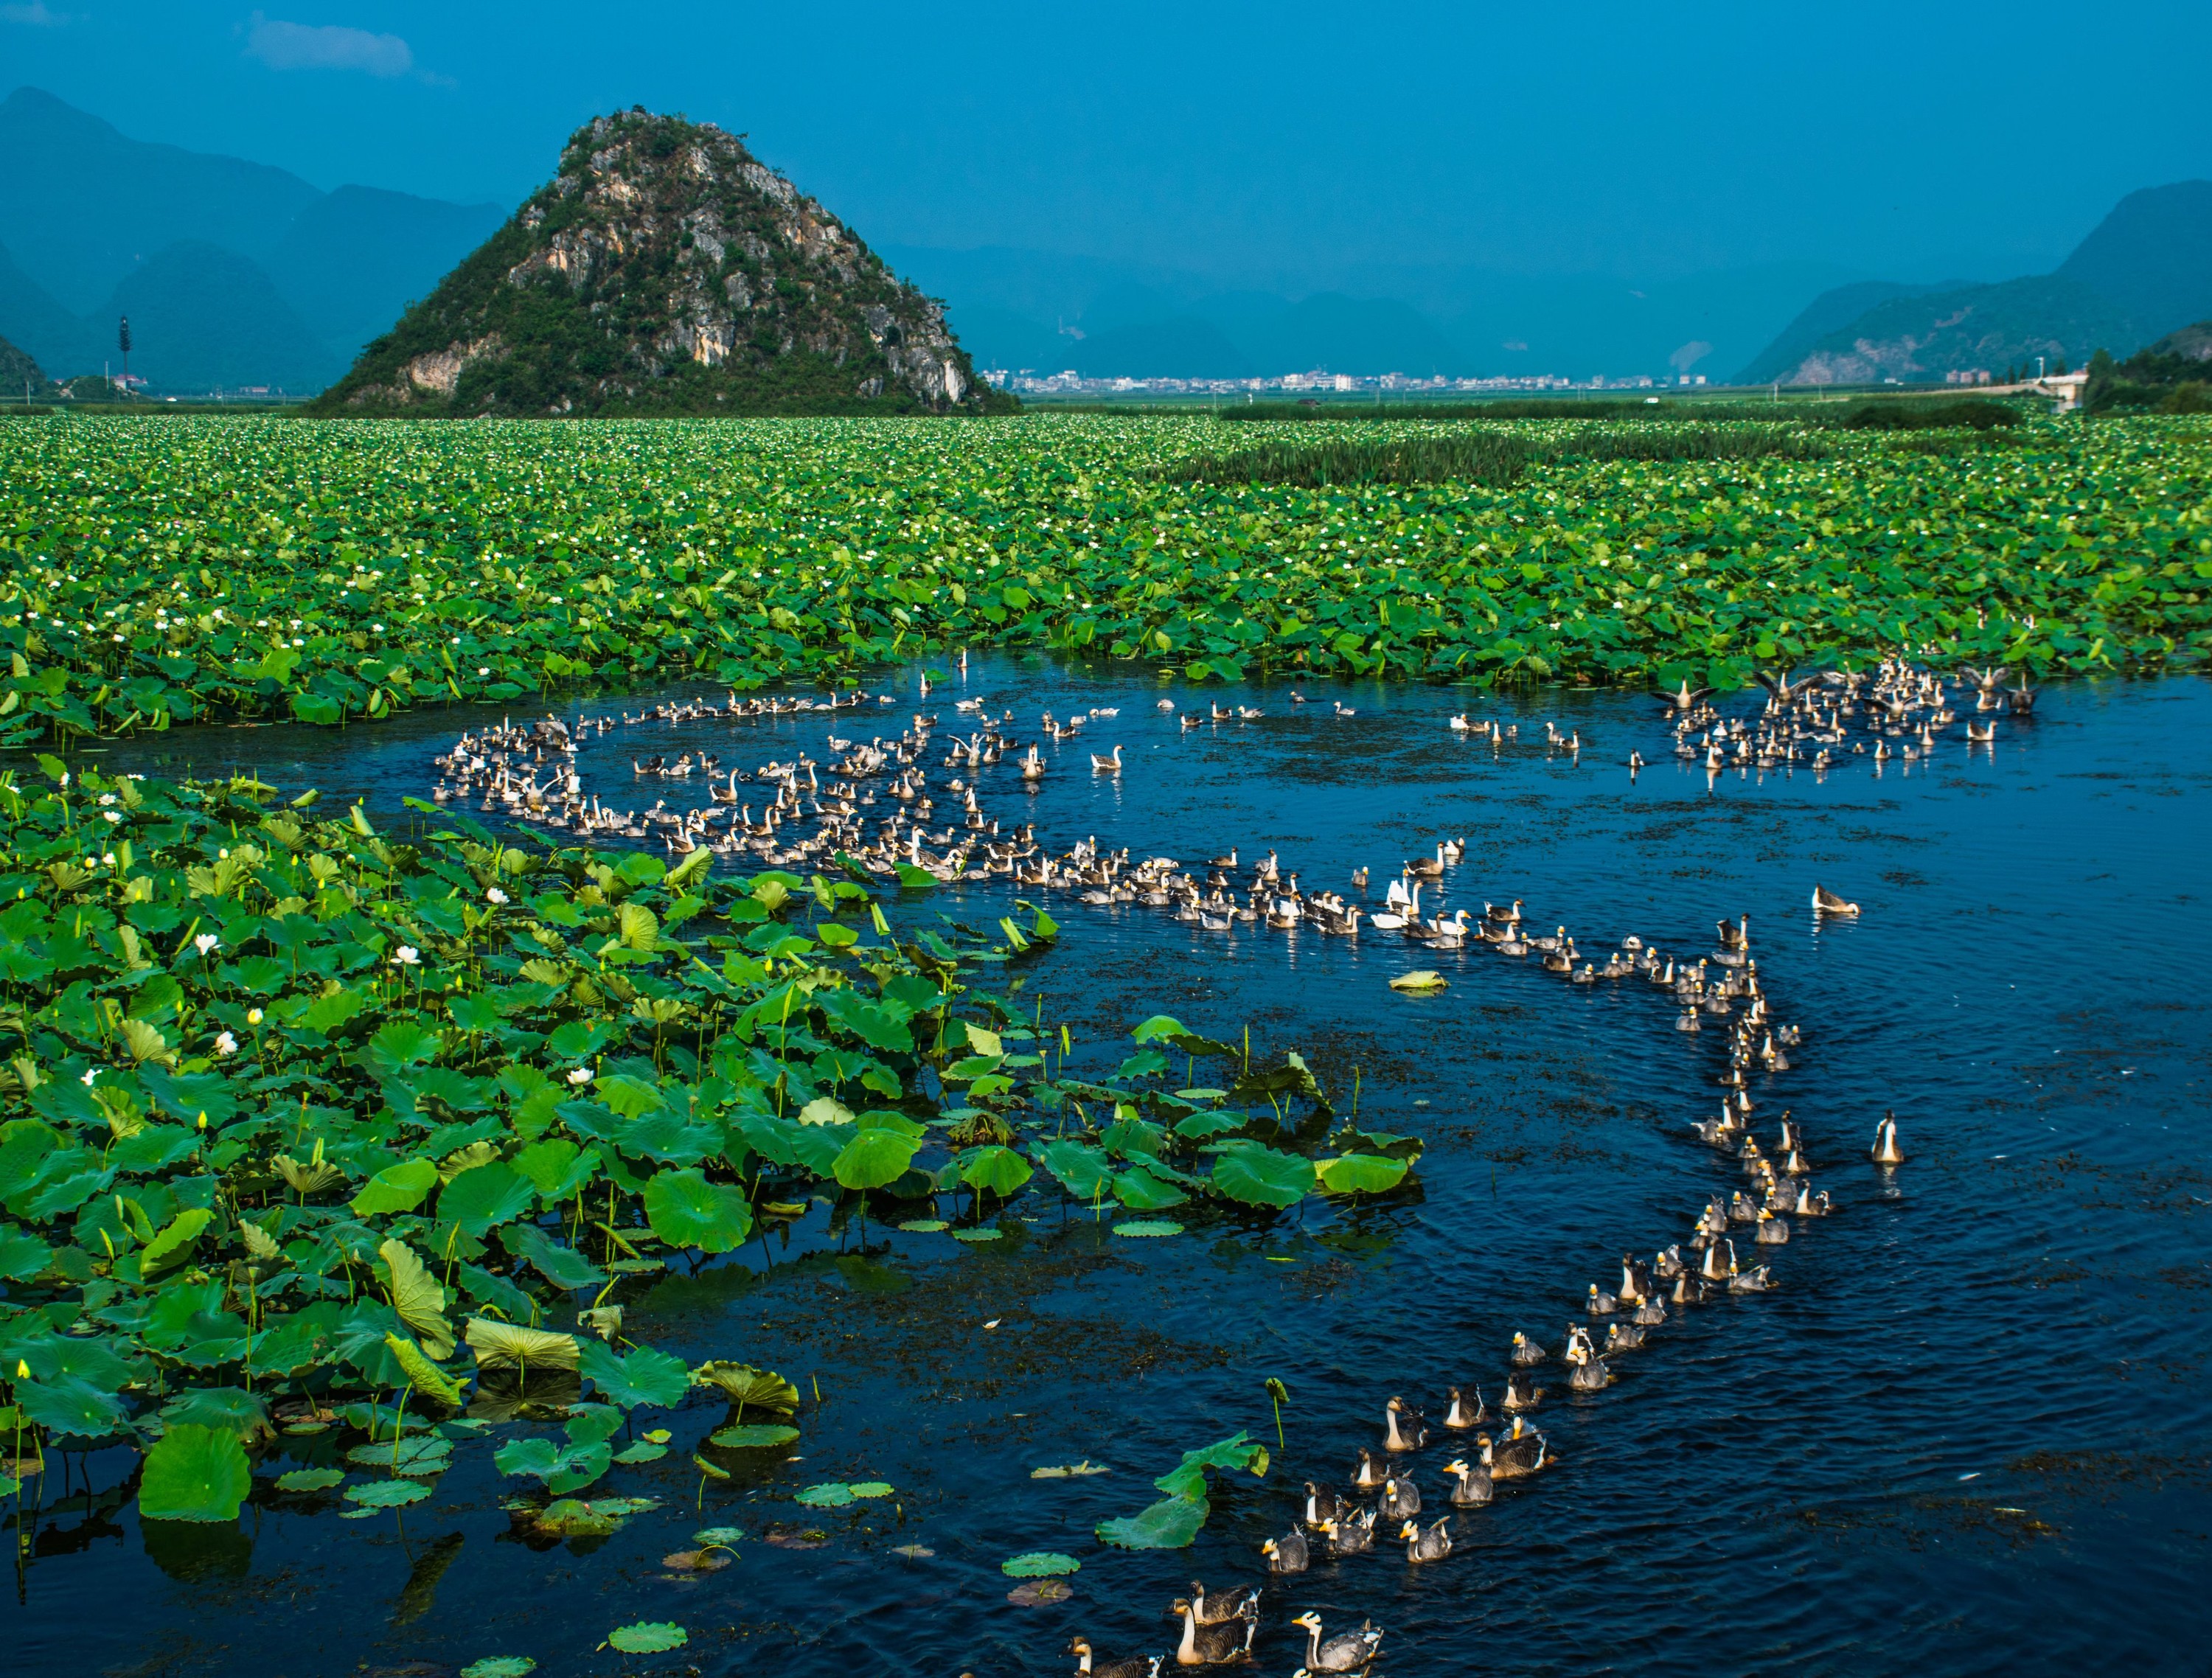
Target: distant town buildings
column 1029, row 382
column 1971, row 376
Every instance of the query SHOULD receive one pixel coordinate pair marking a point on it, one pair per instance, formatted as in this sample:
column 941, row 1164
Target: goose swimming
column 1409, row 1434
column 1350, row 1651
column 1887, row 1150
column 1213, row 1645
column 1826, row 902
column 1110, row 765
column 1142, row 1666
column 1287, row 1554
column 1432, row 1543
column 1470, row 1486
column 1462, row 1414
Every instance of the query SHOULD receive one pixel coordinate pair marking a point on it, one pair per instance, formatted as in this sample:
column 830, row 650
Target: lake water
column 1973, row 1429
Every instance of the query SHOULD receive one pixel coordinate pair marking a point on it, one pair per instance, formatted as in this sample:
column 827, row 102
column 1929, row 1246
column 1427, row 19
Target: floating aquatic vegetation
column 1173, row 1522
column 647, row 1637
column 163, row 571
column 1070, row 1470
column 1039, row 1565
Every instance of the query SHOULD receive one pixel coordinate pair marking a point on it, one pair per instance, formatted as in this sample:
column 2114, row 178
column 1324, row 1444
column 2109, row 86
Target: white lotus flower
column 205, row 942
column 496, row 895
column 90, row 1073
column 581, row 1075
column 406, row 955
column 225, row 1044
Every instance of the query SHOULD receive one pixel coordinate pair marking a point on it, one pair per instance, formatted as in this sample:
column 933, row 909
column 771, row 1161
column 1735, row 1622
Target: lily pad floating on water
column 387, row 1493
column 925, row 1226
column 977, row 1235
column 807, row 1538
column 501, row 1666
column 914, row 1552
column 871, row 1488
column 1039, row 1565
column 1149, row 1226
column 752, row 1435
column 648, row 1637
column 1420, row 980
column 310, row 1479
column 404, row 1456
column 831, row 1494
column 706, row 1535
column 1037, row 1593
column 643, row 1452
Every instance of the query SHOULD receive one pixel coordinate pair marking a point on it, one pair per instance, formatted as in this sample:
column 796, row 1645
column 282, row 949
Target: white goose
column 1395, row 918
column 1106, row 765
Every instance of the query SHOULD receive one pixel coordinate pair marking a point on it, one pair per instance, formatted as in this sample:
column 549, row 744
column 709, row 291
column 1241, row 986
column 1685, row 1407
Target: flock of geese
column 1475, row 1451
column 874, row 804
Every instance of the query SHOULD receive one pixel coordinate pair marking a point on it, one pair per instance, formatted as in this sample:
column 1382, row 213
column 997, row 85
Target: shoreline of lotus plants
column 309, row 1127
column 164, row 571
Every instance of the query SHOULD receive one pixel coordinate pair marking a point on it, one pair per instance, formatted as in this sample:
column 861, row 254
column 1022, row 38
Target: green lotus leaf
column 1261, row 1175
column 685, row 1210
column 310, row 1479
column 647, row 1637
column 752, row 1435
column 1039, row 1565
column 195, row 1473
column 387, row 1493
column 1148, row 1226
column 1360, row 1174
column 831, row 1494
column 400, row 1188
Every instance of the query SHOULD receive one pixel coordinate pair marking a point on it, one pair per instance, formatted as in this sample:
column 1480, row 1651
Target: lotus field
column 162, row 571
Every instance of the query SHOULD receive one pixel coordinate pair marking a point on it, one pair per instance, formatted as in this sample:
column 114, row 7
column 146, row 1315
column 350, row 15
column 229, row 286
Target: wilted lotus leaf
column 694, row 1561
column 1037, row 1593
column 745, row 1385
column 1070, row 1471
column 508, row 1346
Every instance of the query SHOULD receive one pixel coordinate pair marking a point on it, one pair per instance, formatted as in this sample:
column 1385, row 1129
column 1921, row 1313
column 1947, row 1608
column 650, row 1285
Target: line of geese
column 1383, row 1496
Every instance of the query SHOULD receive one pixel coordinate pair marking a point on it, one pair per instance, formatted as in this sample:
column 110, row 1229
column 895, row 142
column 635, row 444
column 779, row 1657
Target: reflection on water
column 1974, row 1416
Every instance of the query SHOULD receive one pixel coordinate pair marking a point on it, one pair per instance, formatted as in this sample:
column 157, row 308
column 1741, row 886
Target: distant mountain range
column 237, row 273
column 2143, row 271
column 1018, row 308
column 232, row 273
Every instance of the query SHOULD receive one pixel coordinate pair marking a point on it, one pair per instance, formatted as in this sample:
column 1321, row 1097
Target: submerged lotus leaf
column 500, row 1666
column 649, row 1638
column 195, row 1473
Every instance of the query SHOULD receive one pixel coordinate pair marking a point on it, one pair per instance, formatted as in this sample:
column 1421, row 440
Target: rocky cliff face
column 664, row 270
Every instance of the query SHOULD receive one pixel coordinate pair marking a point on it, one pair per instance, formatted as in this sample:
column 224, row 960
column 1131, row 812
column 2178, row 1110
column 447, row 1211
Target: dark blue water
column 1971, row 1429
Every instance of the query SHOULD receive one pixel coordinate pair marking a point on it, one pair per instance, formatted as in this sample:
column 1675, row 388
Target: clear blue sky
column 1919, row 140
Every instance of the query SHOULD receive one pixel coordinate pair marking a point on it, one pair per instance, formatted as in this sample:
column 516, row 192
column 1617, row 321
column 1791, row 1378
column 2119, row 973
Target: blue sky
column 1252, row 141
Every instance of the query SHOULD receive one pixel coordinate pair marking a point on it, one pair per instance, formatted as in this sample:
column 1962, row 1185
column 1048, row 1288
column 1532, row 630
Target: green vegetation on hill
column 21, row 379
column 2173, row 376
column 664, row 271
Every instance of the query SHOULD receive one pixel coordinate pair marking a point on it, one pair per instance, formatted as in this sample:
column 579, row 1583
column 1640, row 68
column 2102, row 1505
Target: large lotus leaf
column 49, row 1355
column 417, row 1296
column 1360, row 1174
column 628, row 1098
column 172, row 1244
column 68, row 1404
column 510, row 1346
column 195, row 1473
column 481, row 1200
column 645, row 1377
column 998, row 1170
column 564, row 1468
column 1163, row 1028
column 557, row 1168
column 1172, row 1523
column 1082, row 1171
column 874, row 1158
column 579, row 1040
column 423, row 1374
column 563, row 1267
column 685, row 1210
column 400, row 1188
column 1187, row 1478
column 1140, row 1191
column 1261, row 1175
column 244, row 1414
column 402, row 1044
column 877, row 1027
